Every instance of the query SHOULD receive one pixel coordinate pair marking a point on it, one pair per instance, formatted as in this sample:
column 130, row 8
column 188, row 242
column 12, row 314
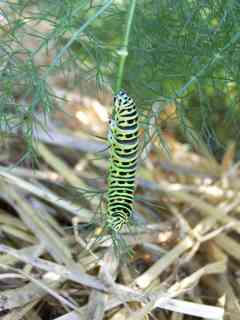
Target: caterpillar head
column 115, row 223
column 122, row 100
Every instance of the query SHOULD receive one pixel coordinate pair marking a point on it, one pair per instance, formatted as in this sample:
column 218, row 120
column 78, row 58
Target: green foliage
column 183, row 51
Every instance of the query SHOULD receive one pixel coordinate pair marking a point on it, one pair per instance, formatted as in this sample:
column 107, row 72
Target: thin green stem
column 206, row 67
column 123, row 52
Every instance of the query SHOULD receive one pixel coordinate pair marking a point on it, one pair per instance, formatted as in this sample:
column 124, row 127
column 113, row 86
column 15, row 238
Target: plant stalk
column 123, row 52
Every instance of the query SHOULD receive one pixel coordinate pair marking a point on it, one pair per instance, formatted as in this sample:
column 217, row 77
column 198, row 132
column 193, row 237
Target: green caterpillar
column 123, row 139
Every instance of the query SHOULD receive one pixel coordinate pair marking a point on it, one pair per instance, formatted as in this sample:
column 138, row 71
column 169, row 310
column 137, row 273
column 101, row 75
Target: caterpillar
column 123, row 139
